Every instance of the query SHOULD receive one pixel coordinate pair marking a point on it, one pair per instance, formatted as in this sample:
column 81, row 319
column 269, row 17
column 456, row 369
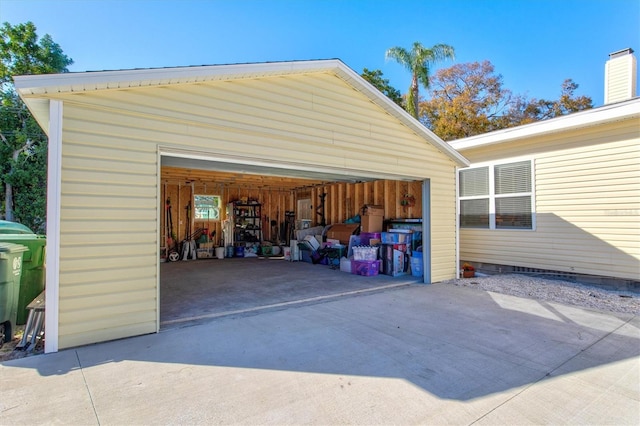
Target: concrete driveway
column 210, row 288
column 414, row 354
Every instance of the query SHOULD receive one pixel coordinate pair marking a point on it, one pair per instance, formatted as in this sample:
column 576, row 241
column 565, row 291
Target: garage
column 121, row 141
column 212, row 287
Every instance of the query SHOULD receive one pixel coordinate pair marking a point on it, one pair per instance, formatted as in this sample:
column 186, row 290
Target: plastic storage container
column 367, row 237
column 10, row 275
column 396, row 237
column 365, row 253
column 416, row 267
column 220, row 252
column 366, row 268
column 33, row 273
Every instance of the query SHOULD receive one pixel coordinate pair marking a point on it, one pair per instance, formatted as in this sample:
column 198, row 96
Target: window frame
column 196, row 208
column 492, row 196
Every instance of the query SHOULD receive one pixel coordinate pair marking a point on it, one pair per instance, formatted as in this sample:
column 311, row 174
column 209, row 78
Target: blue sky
column 534, row 44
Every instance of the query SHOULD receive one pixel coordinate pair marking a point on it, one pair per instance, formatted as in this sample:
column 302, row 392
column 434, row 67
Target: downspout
column 54, row 184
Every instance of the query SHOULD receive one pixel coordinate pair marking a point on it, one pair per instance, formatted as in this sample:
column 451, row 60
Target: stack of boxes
column 371, row 219
column 365, row 261
column 365, row 257
column 375, row 252
column 395, row 251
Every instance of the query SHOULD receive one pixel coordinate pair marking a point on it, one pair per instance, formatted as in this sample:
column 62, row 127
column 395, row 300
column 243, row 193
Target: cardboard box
column 370, row 210
column 342, row 232
column 371, row 224
column 394, row 262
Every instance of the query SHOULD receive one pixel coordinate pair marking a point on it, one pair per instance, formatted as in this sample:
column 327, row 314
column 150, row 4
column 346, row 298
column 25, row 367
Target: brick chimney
column 620, row 76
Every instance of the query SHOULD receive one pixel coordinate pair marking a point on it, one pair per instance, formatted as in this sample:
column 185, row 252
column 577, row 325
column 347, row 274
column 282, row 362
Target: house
column 121, row 143
column 562, row 196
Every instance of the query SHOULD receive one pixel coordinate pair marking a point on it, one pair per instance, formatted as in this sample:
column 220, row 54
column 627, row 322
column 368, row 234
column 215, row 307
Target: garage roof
column 35, row 90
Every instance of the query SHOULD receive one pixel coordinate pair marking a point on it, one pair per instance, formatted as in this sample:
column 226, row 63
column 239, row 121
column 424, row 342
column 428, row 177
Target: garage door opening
column 252, row 273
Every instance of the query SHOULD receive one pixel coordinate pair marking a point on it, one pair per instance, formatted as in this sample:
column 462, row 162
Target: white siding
column 109, row 229
column 587, row 204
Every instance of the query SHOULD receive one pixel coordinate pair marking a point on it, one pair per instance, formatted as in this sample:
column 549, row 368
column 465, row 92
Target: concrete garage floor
column 413, row 354
column 200, row 289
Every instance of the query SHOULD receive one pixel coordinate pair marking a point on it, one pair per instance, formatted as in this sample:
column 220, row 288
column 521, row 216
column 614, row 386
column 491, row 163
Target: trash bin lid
column 7, row 227
column 12, row 248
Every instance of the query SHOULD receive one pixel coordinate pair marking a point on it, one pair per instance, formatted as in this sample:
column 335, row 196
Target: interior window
column 207, row 207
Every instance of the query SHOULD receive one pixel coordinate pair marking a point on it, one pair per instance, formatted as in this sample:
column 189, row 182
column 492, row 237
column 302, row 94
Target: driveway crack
column 93, row 405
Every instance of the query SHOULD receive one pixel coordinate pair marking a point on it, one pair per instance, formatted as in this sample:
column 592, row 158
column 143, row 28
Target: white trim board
column 53, row 226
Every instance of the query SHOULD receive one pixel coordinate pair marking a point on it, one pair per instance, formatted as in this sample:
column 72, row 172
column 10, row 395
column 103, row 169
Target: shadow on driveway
column 455, row 343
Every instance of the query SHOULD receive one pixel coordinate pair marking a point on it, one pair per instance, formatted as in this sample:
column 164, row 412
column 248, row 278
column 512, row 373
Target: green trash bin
column 10, row 274
column 33, row 273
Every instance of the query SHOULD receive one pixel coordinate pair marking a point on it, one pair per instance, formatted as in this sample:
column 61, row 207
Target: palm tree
column 418, row 61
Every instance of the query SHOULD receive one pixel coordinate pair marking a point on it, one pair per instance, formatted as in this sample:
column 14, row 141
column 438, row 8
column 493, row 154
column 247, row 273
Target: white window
column 207, row 207
column 497, row 196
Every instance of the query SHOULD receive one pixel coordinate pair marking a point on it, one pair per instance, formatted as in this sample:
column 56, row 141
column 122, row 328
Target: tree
column 543, row 109
column 382, row 84
column 23, row 147
column 418, row 61
column 469, row 99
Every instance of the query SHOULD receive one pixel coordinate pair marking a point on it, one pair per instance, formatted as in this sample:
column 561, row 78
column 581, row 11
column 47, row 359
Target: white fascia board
column 97, row 80
column 605, row 114
column 34, row 89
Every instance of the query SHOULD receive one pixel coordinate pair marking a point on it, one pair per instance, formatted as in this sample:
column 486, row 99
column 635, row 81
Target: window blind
column 513, row 178
column 474, row 213
column 474, row 182
column 513, row 212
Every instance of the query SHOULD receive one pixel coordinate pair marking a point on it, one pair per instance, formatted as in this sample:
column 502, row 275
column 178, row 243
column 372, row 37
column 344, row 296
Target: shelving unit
column 247, row 223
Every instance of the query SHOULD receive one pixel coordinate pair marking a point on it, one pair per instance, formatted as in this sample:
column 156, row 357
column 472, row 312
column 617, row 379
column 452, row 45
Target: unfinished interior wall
column 345, row 200
column 274, row 205
column 342, row 201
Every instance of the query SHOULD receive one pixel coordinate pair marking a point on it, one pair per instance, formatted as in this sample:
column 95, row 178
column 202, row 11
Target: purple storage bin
column 365, row 237
column 365, row 268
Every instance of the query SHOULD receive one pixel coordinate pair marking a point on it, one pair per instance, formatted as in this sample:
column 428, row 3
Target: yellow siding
column 587, row 205
column 443, row 227
column 109, row 205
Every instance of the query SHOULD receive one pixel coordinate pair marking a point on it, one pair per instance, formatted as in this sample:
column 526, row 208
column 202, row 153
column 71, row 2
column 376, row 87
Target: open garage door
column 197, row 290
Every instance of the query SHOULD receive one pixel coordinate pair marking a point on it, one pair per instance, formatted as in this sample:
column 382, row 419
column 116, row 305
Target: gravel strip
column 565, row 292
